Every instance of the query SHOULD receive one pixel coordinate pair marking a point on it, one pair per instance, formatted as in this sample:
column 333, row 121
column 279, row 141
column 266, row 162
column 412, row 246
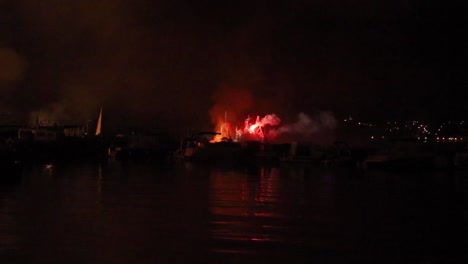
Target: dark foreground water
column 181, row 213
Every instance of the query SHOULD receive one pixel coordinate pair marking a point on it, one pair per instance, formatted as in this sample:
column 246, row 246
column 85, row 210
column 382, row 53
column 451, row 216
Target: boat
column 402, row 154
column 139, row 145
column 340, row 155
column 51, row 141
column 259, row 152
column 201, row 147
column 303, row 154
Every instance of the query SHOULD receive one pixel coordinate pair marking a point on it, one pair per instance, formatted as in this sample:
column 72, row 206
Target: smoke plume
column 271, row 120
column 12, row 65
column 231, row 105
column 319, row 129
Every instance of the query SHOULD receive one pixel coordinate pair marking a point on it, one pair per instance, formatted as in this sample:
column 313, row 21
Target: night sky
column 167, row 64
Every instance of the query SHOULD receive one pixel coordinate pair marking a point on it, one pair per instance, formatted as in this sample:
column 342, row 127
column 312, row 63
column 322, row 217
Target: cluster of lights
column 416, row 126
column 439, row 129
column 446, row 127
column 449, row 139
column 365, row 124
column 424, row 139
column 392, row 126
column 423, row 131
column 350, row 119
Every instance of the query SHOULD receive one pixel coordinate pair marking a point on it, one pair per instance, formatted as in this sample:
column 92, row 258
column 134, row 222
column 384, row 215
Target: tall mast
column 99, row 123
column 225, row 123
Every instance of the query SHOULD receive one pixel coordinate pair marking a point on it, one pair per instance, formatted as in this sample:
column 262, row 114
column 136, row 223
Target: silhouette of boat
column 53, row 142
column 303, row 153
column 139, row 145
column 200, row 147
column 402, row 154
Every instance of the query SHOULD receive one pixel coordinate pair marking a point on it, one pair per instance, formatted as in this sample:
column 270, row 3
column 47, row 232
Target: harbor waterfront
column 113, row 211
column 232, row 132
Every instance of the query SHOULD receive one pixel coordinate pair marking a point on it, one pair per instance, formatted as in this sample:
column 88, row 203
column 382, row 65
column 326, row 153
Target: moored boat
column 402, row 154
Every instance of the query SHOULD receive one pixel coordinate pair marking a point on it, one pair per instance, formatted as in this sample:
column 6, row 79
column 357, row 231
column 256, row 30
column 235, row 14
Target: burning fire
column 257, row 130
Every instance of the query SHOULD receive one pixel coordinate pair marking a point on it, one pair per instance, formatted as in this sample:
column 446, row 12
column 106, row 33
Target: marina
column 149, row 197
column 233, row 132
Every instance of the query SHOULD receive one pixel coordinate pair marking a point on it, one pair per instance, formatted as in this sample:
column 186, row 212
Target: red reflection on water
column 241, row 203
column 240, row 194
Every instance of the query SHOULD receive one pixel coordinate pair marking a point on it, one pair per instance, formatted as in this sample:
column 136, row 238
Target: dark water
column 182, row 213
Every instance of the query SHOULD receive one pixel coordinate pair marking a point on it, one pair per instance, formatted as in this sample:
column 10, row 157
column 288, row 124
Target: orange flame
column 257, row 130
column 251, row 130
column 229, row 103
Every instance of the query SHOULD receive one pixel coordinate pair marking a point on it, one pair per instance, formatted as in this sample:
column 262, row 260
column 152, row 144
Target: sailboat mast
column 99, row 123
column 225, row 123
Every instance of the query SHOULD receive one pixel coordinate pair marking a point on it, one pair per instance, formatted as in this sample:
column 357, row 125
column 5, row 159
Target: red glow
column 256, row 130
column 250, row 131
column 230, row 105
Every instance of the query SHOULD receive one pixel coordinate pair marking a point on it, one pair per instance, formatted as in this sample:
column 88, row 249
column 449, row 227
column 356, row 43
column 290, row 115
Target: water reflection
column 259, row 214
column 242, row 194
column 10, row 181
column 183, row 213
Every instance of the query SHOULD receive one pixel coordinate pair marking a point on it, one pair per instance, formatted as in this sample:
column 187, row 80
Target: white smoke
column 327, row 120
column 306, row 126
column 271, row 120
column 77, row 107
